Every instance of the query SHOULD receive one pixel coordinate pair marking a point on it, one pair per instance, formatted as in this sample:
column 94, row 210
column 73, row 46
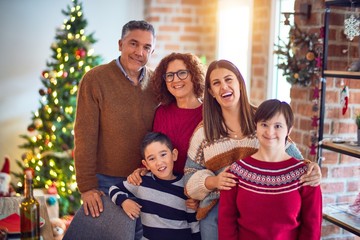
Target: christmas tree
column 50, row 138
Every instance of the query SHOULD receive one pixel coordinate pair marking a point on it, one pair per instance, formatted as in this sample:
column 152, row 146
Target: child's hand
column 225, row 180
column 131, row 208
column 192, row 204
column 135, row 177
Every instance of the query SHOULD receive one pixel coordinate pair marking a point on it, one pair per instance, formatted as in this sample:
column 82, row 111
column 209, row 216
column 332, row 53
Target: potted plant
column 357, row 121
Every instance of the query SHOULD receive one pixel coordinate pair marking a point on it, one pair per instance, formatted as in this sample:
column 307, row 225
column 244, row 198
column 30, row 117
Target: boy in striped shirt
column 160, row 198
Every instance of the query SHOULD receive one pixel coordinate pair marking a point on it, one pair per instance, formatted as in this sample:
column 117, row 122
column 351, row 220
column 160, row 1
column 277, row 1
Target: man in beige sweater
column 115, row 109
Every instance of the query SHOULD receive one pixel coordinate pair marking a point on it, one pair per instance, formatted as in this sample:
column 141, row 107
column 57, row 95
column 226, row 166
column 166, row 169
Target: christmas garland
column 299, row 58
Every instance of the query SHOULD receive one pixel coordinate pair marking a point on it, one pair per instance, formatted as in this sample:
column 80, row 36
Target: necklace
column 235, row 134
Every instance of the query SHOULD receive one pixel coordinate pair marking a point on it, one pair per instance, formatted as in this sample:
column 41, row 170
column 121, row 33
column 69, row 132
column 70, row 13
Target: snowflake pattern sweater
column 209, row 159
column 270, row 203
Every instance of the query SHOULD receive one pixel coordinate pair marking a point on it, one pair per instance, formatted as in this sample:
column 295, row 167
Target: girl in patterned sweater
column 226, row 135
column 268, row 201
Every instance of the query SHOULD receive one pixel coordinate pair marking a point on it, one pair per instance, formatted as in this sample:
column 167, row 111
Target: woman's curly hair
column 192, row 63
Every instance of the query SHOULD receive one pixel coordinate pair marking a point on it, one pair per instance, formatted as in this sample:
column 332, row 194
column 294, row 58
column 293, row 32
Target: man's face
column 136, row 47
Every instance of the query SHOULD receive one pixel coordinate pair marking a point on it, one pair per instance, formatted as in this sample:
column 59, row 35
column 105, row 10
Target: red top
column 270, row 203
column 178, row 124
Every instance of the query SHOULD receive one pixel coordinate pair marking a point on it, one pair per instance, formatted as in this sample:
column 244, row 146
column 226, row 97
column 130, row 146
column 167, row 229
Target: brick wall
column 341, row 173
column 183, row 26
column 260, row 51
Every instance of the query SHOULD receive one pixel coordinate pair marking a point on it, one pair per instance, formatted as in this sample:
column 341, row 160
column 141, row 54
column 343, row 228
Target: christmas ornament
column 42, row 92
column 313, row 149
column 316, row 94
column 344, row 99
column 80, row 53
column 5, row 179
column 314, row 122
column 31, row 128
column 298, row 67
column 38, row 123
column 52, row 189
column 51, row 200
column 351, row 25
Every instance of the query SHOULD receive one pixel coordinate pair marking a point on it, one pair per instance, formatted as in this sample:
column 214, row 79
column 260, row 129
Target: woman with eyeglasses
column 179, row 84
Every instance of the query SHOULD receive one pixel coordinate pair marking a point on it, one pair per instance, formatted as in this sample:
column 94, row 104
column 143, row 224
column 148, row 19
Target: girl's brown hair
column 214, row 126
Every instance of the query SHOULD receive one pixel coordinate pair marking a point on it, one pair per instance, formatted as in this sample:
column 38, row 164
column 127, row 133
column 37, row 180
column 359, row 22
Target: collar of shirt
column 142, row 71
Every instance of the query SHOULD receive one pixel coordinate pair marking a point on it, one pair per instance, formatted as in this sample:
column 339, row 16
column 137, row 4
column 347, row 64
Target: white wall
column 27, row 32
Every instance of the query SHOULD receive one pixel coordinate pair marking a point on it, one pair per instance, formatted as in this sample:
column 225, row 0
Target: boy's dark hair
column 134, row 25
column 155, row 137
column 270, row 108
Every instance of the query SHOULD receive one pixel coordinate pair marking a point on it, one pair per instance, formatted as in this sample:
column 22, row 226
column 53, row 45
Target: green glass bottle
column 29, row 210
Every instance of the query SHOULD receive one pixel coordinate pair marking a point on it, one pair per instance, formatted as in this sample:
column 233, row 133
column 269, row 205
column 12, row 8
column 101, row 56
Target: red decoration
column 344, row 99
column 44, row 74
column 316, row 93
column 52, row 189
column 313, row 149
column 31, row 128
column 80, row 53
column 314, row 121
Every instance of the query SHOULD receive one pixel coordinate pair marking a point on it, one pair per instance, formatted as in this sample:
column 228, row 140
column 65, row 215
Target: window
column 278, row 86
column 234, row 36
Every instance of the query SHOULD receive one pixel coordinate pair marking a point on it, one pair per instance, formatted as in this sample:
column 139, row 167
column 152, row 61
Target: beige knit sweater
column 112, row 118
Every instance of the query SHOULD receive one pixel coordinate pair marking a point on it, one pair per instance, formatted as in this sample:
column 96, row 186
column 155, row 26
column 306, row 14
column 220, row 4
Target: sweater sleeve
column 292, row 150
column 120, row 192
column 228, row 215
column 311, row 213
column 195, row 171
column 193, row 223
column 86, row 130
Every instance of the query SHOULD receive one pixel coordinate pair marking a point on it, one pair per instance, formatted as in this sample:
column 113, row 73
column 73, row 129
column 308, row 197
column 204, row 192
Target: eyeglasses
column 181, row 74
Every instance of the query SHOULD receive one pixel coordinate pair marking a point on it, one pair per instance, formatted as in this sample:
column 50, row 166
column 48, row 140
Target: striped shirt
column 163, row 214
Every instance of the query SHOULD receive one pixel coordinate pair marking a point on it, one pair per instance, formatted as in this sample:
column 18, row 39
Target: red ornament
column 31, row 128
column 45, row 74
column 52, row 189
column 314, row 121
column 80, row 53
column 65, row 74
column 313, row 149
column 316, row 93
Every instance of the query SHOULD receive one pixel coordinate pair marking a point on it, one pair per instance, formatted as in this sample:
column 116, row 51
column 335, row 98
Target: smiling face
column 224, row 87
column 179, row 88
column 272, row 133
column 159, row 159
column 136, row 47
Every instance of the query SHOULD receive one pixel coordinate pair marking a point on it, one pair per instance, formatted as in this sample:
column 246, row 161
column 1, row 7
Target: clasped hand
column 131, row 208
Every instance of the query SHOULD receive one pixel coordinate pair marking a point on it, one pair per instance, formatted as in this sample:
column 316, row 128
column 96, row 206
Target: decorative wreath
column 299, row 58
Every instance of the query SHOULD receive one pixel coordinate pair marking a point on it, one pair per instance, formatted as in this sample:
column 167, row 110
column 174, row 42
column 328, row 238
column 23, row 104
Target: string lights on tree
column 49, row 141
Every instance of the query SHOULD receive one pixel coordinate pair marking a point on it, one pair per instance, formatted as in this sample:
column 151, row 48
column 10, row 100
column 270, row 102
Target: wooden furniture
column 10, row 205
column 335, row 66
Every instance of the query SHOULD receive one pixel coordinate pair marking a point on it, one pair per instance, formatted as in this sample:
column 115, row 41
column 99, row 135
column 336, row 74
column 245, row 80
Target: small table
column 10, row 205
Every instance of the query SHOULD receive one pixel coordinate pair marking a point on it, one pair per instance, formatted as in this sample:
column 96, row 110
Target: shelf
column 341, row 74
column 338, row 215
column 341, row 3
column 344, row 148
